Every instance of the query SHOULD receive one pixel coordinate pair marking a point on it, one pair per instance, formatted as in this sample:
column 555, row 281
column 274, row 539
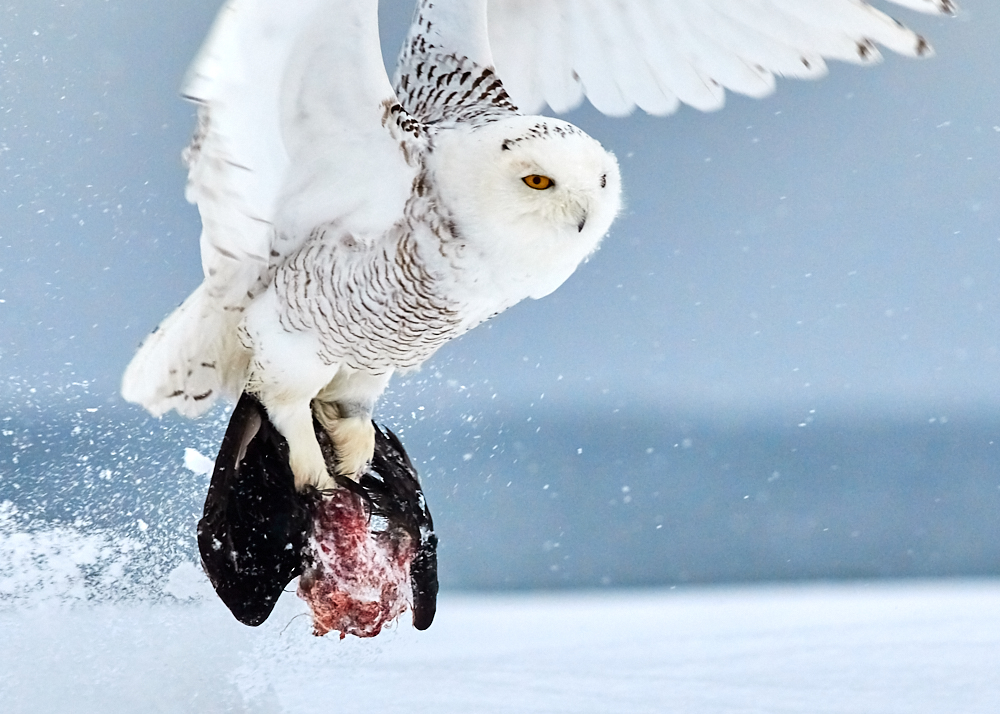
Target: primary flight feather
column 352, row 226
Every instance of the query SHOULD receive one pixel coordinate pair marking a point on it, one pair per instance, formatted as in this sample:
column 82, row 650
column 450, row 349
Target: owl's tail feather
column 192, row 358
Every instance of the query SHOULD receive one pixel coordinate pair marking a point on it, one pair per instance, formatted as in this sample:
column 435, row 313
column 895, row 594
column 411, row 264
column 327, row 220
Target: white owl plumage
column 352, row 227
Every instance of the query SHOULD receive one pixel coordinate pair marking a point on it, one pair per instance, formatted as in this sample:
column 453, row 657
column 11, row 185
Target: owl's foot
column 304, row 454
column 309, row 467
column 353, row 439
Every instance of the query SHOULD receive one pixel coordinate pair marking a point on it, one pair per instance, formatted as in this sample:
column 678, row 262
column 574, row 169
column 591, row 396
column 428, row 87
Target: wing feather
column 524, row 67
column 553, row 65
column 593, row 59
column 670, row 54
column 763, row 51
column 274, row 81
column 656, row 53
column 931, row 7
column 716, row 55
column 633, row 77
column 445, row 71
column 296, row 128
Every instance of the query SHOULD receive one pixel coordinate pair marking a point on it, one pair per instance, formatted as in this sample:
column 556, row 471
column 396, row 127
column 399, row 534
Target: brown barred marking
column 373, row 302
column 449, row 90
column 374, row 307
column 192, row 153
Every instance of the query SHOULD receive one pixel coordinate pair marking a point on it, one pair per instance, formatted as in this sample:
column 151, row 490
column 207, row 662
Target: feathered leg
column 292, row 379
column 344, row 408
column 295, row 422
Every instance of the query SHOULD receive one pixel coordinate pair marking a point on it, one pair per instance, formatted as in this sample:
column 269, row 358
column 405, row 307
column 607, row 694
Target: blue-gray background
column 783, row 362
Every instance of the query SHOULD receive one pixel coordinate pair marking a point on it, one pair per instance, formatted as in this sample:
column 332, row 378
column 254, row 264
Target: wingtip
column 930, row 7
column 923, row 48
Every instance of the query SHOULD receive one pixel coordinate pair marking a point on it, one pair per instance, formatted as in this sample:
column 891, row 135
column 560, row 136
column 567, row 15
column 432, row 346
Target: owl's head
column 532, row 196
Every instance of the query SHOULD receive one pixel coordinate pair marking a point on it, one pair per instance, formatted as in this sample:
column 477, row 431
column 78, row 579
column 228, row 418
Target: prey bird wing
column 659, row 54
column 292, row 101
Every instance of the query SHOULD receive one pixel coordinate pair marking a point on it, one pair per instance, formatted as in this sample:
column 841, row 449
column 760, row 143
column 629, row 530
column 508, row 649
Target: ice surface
column 916, row 647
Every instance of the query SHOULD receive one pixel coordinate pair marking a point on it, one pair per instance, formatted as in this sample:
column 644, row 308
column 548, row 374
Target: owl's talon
column 305, row 457
column 354, row 442
column 310, row 471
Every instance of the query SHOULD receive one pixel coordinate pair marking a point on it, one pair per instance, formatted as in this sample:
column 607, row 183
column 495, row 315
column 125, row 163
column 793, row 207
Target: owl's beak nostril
column 581, row 224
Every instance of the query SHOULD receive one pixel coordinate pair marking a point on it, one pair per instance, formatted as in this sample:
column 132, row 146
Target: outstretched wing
column 657, row 54
column 297, row 127
column 237, row 159
column 280, row 85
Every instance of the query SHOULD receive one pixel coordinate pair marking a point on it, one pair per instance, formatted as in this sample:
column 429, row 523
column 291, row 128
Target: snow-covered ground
column 870, row 648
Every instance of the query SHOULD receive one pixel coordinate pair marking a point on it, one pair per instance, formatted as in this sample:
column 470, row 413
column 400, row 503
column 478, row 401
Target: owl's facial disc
column 533, row 195
column 562, row 172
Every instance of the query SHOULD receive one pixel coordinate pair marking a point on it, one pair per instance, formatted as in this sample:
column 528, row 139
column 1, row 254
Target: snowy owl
column 352, row 226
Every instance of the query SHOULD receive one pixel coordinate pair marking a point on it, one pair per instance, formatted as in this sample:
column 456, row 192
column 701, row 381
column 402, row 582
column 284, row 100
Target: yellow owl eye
column 538, row 182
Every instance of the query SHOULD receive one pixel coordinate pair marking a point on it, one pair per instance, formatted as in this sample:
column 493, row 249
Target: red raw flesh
column 359, row 580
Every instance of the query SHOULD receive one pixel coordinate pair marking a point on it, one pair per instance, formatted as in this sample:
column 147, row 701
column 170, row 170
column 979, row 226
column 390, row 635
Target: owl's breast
column 373, row 305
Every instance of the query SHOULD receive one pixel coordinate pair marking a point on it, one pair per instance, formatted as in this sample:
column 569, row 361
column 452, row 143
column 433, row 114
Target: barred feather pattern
column 436, row 86
column 376, row 306
column 236, row 270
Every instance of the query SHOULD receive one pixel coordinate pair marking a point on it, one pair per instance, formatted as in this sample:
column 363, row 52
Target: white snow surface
column 857, row 647
column 96, row 621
